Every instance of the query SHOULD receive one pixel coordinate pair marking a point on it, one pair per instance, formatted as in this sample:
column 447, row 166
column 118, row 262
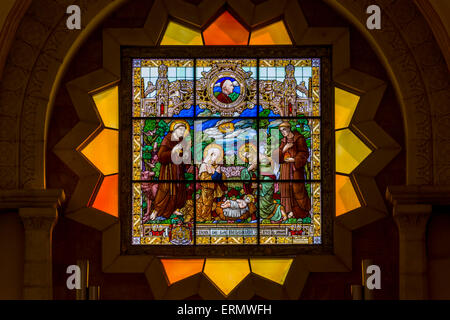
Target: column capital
column 412, row 206
column 412, row 220
column 42, row 219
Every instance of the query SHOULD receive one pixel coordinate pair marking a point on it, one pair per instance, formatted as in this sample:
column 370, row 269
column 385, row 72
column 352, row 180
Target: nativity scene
column 214, row 167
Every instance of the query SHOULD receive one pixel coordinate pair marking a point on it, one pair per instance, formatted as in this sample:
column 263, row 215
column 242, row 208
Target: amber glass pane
column 350, row 151
column 274, row 34
column 103, row 151
column 272, row 269
column 179, row 35
column 226, row 274
column 346, row 198
column 225, row 30
column 107, row 199
column 107, row 103
column 179, row 269
column 345, row 106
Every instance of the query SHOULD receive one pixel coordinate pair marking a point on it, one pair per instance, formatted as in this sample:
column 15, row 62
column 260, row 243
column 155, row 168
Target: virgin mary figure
column 209, row 173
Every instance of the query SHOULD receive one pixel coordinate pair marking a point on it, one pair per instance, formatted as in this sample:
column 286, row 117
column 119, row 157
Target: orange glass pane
column 103, row 151
column 179, row 35
column 272, row 269
column 275, row 33
column 107, row 103
column 179, row 269
column 226, row 274
column 225, row 30
column 107, row 199
column 346, row 198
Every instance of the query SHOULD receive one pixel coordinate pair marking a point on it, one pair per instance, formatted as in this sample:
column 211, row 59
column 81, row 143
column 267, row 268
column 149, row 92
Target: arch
column 39, row 55
column 417, row 69
column 30, row 81
column 368, row 88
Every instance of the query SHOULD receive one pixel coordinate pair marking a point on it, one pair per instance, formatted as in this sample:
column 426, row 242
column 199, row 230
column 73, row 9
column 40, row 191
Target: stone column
column 38, row 224
column 412, row 221
column 38, row 210
column 412, row 209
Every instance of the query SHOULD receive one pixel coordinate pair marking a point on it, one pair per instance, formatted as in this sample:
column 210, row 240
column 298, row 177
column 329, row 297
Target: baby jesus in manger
column 236, row 208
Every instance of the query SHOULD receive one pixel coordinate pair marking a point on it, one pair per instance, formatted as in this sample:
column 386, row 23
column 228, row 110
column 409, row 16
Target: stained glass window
column 226, row 30
column 226, row 152
column 178, row 269
column 102, row 151
column 226, row 273
column 274, row 34
column 351, row 151
column 179, row 35
column 346, row 198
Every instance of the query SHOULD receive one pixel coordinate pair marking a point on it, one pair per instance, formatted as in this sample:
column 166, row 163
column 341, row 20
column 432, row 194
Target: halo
column 226, row 127
column 285, row 124
column 252, row 198
column 214, row 145
column 186, row 124
column 246, row 147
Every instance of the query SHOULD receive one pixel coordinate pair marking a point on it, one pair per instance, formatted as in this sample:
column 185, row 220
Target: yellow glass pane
column 107, row 103
column 272, row 269
column 179, row 269
column 275, row 33
column 346, row 198
column 345, row 106
column 103, row 151
column 226, row 274
column 350, row 151
column 179, row 35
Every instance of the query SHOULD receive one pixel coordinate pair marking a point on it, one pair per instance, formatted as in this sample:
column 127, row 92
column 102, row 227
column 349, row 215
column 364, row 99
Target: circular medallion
column 226, row 90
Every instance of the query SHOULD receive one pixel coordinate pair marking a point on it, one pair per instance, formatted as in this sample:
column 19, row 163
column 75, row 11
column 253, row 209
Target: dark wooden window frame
column 221, row 52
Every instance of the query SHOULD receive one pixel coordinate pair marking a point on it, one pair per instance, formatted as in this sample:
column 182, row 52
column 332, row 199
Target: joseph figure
column 171, row 197
column 293, row 155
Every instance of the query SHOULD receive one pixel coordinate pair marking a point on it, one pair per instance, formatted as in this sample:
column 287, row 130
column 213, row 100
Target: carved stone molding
column 407, row 48
column 8, row 32
column 417, row 194
column 435, row 20
column 41, row 51
column 43, row 198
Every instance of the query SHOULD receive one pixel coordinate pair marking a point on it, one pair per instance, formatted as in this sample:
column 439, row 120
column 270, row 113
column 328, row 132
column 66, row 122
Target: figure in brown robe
column 170, row 197
column 293, row 155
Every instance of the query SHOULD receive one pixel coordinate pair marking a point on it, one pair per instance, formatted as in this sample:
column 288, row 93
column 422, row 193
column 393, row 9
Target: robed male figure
column 171, row 196
column 293, row 155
